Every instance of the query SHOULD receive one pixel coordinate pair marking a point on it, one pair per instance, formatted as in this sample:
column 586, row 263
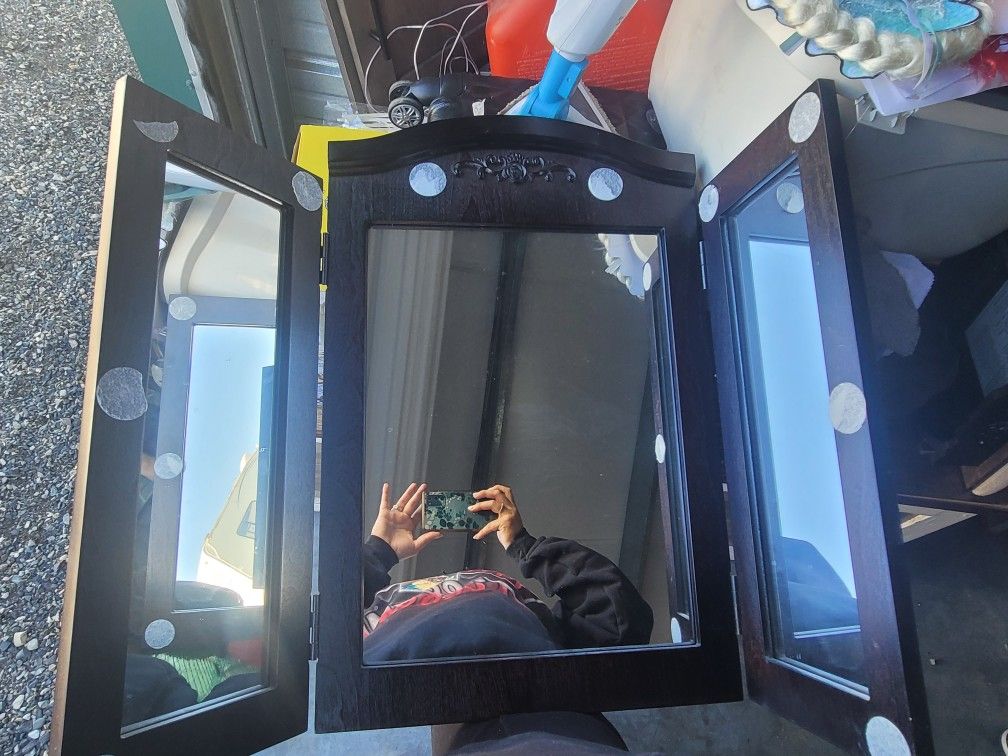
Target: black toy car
column 434, row 99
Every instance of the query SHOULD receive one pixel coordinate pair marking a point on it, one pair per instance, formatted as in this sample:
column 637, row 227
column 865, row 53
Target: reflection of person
column 204, row 661
column 487, row 612
column 164, row 683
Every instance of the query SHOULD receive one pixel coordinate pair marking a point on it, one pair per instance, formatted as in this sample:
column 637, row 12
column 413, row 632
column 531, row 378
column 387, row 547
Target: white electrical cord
column 448, row 69
column 429, row 24
column 367, row 69
column 462, row 27
column 466, row 56
column 445, row 66
column 416, row 47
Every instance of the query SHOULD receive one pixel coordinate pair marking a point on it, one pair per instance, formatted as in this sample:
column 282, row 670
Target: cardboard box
column 311, row 152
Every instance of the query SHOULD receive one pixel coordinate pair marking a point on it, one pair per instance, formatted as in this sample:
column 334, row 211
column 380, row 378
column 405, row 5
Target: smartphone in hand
column 448, row 510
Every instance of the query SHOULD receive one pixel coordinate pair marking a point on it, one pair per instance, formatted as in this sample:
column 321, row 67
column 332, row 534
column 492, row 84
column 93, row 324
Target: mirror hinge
column 313, row 629
column 323, row 261
column 703, row 266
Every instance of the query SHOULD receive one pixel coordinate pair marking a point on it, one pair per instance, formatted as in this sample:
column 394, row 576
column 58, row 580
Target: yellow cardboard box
column 311, row 152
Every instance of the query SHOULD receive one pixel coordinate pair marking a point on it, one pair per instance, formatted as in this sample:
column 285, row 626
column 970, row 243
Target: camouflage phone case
column 447, row 510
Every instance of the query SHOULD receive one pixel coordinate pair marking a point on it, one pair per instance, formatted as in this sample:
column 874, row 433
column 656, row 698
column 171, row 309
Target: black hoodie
column 598, row 606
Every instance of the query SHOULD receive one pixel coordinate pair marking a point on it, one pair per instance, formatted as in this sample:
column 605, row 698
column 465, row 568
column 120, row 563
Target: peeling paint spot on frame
column 605, row 184
column 848, row 409
column 120, row 394
column 804, row 117
column 307, row 190
column 168, row 466
column 428, row 179
column 158, row 131
column 885, row 739
column 708, row 205
column 182, row 308
column 159, row 634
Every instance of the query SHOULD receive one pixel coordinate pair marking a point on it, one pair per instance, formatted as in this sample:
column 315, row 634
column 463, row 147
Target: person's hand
column 499, row 500
column 395, row 525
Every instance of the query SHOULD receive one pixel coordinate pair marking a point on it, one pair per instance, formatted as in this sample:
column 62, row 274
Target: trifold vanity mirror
column 508, row 301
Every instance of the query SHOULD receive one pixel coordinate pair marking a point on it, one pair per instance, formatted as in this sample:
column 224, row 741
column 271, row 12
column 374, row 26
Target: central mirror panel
column 514, row 502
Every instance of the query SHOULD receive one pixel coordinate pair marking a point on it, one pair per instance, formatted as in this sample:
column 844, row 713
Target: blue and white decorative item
column 902, row 38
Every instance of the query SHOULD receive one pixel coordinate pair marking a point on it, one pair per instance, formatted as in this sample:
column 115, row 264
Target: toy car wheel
column 405, row 112
column 442, row 109
column 400, row 89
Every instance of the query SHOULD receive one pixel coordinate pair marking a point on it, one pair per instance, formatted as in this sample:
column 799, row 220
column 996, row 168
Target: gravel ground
column 58, row 65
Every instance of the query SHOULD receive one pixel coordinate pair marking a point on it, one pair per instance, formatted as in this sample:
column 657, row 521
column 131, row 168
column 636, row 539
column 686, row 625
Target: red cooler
column 518, row 48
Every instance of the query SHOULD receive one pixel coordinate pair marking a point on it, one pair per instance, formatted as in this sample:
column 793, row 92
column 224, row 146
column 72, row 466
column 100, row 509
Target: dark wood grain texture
column 895, row 684
column 90, row 672
column 370, row 186
column 474, row 139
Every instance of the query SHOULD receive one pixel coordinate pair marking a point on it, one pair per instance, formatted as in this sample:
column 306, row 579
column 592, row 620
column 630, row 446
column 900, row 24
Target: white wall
column 228, row 245
column 718, row 81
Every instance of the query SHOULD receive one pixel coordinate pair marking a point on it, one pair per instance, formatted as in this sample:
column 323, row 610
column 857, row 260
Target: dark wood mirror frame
column 370, row 186
column 149, row 129
column 895, row 684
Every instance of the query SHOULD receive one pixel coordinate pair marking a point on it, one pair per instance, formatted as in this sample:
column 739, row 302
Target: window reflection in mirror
column 200, row 571
column 808, row 575
column 510, row 374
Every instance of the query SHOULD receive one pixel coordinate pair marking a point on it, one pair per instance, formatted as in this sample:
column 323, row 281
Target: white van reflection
column 227, row 558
